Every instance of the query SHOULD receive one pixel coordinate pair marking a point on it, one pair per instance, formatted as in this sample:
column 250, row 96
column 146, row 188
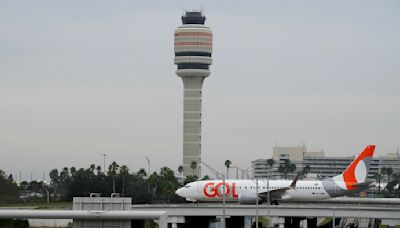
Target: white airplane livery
column 352, row 180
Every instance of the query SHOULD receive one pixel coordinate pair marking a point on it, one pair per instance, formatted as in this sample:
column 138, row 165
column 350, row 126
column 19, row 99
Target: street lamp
column 223, row 201
column 104, row 163
column 148, row 176
column 257, row 203
column 148, row 163
column 219, row 175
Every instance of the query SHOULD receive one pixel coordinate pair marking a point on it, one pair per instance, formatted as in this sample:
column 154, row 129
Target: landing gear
column 274, row 202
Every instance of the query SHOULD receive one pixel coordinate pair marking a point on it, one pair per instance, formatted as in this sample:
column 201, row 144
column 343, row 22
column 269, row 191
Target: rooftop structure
column 321, row 166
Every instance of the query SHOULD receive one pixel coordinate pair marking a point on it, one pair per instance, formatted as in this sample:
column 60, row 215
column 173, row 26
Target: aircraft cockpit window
column 187, row 186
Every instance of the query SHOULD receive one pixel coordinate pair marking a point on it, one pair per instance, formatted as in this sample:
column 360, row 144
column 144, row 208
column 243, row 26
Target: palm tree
column 271, row 163
column 228, row 164
column 92, row 167
column 389, row 173
column 72, row 170
column 292, row 167
column 112, row 170
column 378, row 176
column 306, row 169
column 123, row 171
column 383, row 170
column 193, row 166
column 64, row 175
column 180, row 170
column 98, row 168
column 281, row 170
column 153, row 181
column 142, row 173
column 287, row 168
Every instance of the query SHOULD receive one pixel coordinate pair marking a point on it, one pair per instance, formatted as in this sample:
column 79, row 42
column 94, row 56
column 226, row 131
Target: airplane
column 352, row 180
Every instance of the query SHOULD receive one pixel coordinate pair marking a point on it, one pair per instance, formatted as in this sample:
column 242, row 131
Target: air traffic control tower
column 193, row 48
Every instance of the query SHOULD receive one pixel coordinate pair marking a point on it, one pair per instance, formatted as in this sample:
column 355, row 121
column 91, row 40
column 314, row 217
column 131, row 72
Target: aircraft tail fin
column 357, row 172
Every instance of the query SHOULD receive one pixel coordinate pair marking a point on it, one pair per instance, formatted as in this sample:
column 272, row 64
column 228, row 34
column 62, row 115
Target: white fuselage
column 353, row 179
column 211, row 190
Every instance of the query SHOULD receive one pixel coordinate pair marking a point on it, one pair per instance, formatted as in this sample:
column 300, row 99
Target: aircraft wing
column 278, row 193
column 273, row 194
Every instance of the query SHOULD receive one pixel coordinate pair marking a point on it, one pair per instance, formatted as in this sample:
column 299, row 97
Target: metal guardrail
column 98, row 215
column 276, row 210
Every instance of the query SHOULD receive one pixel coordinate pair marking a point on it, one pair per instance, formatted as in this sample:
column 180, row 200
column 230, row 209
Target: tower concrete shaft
column 193, row 49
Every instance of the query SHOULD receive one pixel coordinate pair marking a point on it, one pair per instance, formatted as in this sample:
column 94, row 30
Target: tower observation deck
column 193, row 48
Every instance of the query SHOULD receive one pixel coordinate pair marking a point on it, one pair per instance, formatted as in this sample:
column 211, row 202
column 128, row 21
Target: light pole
column 148, row 176
column 104, row 163
column 218, row 175
column 148, row 165
column 269, row 197
column 269, row 204
column 223, row 201
column 241, row 170
column 237, row 170
column 256, row 203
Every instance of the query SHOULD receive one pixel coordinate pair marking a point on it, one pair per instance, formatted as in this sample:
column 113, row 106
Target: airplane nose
column 180, row 192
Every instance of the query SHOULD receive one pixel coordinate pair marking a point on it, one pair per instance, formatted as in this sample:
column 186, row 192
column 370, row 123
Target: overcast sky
column 83, row 78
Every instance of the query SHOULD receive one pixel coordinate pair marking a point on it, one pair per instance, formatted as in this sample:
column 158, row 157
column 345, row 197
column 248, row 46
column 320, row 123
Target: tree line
column 157, row 187
column 8, row 189
column 140, row 186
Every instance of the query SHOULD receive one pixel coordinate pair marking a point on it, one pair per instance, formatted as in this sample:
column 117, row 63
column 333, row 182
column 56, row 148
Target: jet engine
column 249, row 198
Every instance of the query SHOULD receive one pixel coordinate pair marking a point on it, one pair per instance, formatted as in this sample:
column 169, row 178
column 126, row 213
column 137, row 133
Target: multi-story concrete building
column 320, row 165
column 193, row 49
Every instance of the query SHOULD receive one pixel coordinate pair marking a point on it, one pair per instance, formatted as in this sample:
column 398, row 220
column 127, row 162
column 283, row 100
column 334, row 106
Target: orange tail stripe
column 349, row 176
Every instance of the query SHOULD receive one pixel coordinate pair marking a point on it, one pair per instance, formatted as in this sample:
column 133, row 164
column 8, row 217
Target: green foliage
column 152, row 224
column 189, row 179
column 206, row 177
column 302, row 173
column 393, row 181
column 8, row 189
column 270, row 162
column 14, row 223
column 142, row 172
column 287, row 168
column 158, row 187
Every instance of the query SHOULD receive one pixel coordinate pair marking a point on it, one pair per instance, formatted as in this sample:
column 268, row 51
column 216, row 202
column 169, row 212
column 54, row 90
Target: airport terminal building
column 320, row 166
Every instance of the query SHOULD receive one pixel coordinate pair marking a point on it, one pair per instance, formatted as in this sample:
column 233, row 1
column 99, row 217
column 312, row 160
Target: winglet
column 293, row 184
